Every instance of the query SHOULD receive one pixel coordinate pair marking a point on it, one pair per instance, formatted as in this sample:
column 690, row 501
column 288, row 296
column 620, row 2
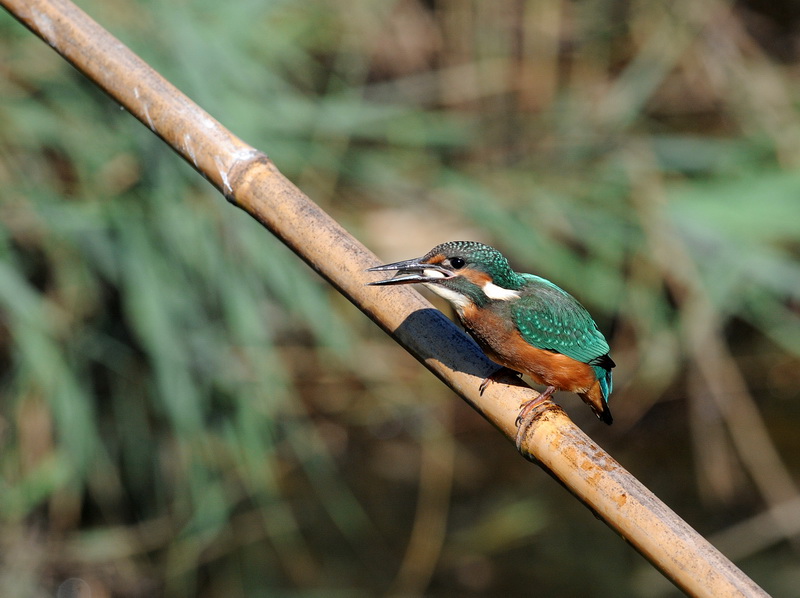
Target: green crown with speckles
column 481, row 257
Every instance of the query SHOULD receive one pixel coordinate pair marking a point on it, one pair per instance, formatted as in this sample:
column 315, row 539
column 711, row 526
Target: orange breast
column 503, row 343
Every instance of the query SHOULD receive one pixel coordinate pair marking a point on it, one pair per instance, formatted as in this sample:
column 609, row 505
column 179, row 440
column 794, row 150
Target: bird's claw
column 524, row 419
column 493, row 377
column 522, row 433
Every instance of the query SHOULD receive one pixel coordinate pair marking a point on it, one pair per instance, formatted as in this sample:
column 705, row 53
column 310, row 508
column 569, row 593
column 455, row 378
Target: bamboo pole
column 249, row 180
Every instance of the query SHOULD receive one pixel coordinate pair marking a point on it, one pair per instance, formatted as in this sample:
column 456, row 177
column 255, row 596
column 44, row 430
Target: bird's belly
column 503, row 344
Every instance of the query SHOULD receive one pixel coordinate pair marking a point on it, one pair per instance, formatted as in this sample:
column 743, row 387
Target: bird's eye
column 457, row 263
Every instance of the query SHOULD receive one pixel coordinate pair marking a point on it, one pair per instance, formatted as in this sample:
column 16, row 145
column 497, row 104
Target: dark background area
column 187, row 409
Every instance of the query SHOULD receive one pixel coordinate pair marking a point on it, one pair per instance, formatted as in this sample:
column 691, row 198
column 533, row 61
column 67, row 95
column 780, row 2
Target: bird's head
column 463, row 272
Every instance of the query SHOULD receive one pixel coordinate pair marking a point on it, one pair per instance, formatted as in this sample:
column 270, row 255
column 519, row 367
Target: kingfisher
column 521, row 321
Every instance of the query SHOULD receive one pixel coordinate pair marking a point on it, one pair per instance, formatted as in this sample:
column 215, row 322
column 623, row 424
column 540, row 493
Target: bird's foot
column 493, row 377
column 523, row 421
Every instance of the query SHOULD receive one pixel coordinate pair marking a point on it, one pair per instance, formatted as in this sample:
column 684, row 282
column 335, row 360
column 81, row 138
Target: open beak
column 410, row 272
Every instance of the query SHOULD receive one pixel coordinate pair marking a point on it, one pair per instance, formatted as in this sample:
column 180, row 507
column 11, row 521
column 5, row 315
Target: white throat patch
column 492, row 291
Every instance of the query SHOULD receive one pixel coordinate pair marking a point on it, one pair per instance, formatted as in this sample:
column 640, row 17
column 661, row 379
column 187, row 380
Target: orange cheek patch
column 478, row 278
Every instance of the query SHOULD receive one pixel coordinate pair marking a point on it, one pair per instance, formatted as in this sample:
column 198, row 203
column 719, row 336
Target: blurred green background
column 187, row 409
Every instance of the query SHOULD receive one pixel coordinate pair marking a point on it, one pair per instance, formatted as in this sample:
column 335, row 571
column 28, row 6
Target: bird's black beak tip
column 409, row 272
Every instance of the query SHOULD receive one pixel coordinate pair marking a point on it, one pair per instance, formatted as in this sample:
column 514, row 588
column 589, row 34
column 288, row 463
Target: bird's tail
column 606, row 383
column 597, row 397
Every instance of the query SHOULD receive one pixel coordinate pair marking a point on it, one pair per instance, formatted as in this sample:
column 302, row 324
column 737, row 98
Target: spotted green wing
column 552, row 319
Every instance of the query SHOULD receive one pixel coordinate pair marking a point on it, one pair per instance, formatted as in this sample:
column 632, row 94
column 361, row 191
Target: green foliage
column 189, row 410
